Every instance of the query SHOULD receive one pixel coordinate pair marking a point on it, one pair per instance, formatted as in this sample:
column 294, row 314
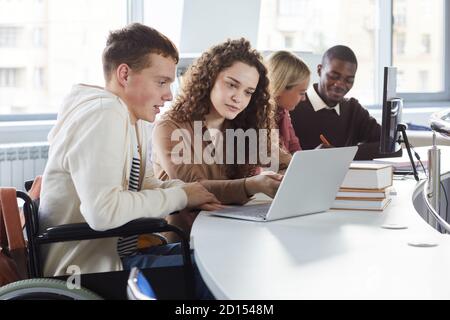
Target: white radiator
column 21, row 162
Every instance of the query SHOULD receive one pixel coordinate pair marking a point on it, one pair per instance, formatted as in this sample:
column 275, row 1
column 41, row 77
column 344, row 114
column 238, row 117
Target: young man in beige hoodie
column 96, row 168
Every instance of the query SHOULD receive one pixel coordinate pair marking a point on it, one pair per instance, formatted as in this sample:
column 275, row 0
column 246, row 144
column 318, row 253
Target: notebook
column 309, row 186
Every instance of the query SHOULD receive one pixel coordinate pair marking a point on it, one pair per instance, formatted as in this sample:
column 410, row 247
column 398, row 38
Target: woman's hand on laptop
column 267, row 183
column 198, row 197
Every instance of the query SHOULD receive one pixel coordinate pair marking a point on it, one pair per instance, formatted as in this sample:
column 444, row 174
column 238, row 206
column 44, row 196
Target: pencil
column 324, row 140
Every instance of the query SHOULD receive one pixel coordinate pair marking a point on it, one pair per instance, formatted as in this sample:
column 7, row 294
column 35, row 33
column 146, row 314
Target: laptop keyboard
column 258, row 210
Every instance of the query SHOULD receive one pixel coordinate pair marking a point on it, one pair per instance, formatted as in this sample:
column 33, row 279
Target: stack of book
column 367, row 186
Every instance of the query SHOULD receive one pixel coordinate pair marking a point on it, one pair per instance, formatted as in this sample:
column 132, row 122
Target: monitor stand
column 402, row 127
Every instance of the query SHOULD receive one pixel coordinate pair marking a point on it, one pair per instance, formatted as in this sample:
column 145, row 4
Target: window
column 426, row 43
column 8, row 77
column 39, row 81
column 292, row 7
column 424, row 79
column 400, row 79
column 48, row 46
column 400, row 42
column 38, row 37
column 170, row 27
column 9, row 37
column 288, row 41
column 400, row 13
column 424, row 50
column 316, row 25
column 416, row 41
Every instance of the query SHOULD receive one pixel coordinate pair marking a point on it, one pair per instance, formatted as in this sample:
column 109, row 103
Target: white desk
column 331, row 255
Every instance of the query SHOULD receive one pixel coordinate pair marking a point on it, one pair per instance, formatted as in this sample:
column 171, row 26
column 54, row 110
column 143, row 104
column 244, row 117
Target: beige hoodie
column 86, row 180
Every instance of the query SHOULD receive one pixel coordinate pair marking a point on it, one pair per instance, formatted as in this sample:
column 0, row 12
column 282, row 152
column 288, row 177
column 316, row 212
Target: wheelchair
column 168, row 282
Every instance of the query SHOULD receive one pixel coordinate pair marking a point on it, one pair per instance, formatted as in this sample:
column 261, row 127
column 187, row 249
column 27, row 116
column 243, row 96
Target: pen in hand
column 325, row 141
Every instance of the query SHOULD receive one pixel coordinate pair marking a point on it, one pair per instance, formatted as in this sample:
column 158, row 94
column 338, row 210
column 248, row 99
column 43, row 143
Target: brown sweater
column 212, row 176
column 354, row 126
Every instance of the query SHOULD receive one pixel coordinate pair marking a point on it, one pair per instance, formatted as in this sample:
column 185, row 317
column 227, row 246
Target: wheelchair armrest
column 82, row 231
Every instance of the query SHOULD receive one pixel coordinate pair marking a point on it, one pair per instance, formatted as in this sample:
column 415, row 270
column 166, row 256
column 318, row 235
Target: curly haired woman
column 225, row 89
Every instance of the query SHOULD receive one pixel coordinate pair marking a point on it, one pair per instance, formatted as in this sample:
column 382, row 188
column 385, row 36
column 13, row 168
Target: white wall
column 224, row 19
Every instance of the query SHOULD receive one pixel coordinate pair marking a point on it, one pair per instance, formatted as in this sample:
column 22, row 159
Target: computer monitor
column 392, row 113
column 393, row 132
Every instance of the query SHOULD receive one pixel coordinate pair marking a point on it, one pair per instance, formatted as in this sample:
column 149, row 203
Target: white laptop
column 309, row 185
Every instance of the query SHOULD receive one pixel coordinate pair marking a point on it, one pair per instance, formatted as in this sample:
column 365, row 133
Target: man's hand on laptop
column 267, row 183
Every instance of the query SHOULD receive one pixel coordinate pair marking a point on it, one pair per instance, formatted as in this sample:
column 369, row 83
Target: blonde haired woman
column 289, row 79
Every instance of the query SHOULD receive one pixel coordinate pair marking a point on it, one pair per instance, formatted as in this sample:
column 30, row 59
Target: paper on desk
column 400, row 163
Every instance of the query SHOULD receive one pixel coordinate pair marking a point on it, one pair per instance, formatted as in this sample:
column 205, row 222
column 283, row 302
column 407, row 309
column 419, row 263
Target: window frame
column 432, row 97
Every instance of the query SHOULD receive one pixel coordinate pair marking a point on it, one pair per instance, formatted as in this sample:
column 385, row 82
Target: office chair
column 109, row 285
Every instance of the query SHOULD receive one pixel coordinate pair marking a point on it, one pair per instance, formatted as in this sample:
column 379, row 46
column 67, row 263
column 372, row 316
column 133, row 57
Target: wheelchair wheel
column 44, row 289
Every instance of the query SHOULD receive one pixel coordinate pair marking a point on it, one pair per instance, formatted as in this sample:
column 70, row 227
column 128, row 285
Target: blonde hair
column 285, row 70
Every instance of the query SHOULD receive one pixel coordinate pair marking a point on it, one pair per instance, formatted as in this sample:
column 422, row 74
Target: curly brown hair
column 193, row 102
